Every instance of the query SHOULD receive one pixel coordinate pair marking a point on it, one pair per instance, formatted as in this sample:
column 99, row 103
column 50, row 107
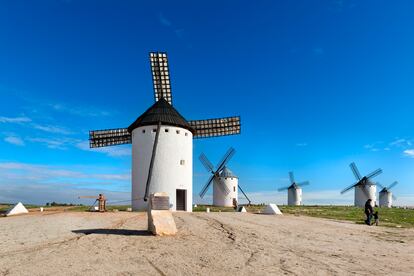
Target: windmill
column 386, row 196
column 162, row 143
column 294, row 190
column 225, row 183
column 364, row 188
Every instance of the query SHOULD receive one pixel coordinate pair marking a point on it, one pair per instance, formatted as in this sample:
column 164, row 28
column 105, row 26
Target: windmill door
column 181, row 196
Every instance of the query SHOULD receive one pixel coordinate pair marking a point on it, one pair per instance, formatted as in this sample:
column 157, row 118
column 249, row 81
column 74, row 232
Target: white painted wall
column 168, row 174
column 294, row 196
column 220, row 198
column 385, row 199
column 361, row 197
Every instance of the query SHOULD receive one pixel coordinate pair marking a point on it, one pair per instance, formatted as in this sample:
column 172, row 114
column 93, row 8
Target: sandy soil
column 207, row 244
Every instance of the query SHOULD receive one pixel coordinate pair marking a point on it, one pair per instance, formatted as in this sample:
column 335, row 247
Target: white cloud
column 15, row 120
column 53, row 143
column 30, row 172
column 409, row 152
column 79, row 111
column 164, row 21
column 401, row 143
column 14, row 140
column 38, row 184
column 302, row 144
column 40, row 194
column 52, row 129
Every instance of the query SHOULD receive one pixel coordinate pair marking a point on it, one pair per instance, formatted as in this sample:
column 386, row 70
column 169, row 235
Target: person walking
column 369, row 211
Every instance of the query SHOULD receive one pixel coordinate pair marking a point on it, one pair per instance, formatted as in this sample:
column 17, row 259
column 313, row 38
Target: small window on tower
column 143, row 131
column 234, row 188
column 167, row 130
column 154, row 130
column 182, row 162
column 178, row 132
column 186, row 134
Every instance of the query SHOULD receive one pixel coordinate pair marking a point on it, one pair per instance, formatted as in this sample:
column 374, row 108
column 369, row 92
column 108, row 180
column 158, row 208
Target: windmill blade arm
column 154, row 151
column 216, row 127
column 374, row 173
column 109, row 137
column 160, row 76
column 206, row 163
column 348, row 188
column 304, row 183
column 379, row 185
column 244, row 194
column 355, row 171
column 283, row 188
column 226, row 158
column 392, row 185
column 291, row 178
column 206, row 186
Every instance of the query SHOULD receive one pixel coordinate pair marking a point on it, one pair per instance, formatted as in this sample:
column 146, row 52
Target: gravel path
column 207, row 244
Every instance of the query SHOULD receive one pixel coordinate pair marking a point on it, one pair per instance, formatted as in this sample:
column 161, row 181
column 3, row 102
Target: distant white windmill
column 386, row 196
column 294, row 190
column 364, row 188
column 225, row 182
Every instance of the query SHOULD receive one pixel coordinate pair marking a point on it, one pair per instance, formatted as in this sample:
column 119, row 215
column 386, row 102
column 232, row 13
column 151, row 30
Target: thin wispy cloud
column 52, row 129
column 397, row 144
column 53, row 143
column 14, row 140
column 30, row 172
column 179, row 32
column 14, row 120
column 164, row 21
column 401, row 142
column 79, row 110
column 302, row 144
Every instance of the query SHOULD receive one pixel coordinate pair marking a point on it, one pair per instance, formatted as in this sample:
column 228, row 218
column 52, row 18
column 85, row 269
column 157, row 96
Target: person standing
column 369, row 211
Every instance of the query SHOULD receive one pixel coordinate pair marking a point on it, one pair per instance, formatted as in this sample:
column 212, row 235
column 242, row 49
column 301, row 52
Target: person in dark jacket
column 369, row 211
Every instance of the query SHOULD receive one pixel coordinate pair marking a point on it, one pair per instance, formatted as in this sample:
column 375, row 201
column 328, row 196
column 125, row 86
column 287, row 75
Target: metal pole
column 244, row 194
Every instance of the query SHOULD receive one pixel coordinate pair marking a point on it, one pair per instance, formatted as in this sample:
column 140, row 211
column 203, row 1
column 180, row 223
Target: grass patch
column 109, row 208
column 390, row 217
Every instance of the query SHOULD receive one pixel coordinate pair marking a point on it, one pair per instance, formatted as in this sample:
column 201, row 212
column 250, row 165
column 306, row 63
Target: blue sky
column 318, row 84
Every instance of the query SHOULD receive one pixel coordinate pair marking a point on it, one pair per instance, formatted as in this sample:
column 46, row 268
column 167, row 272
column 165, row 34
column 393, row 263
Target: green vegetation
column 6, row 206
column 390, row 217
column 203, row 208
column 109, row 208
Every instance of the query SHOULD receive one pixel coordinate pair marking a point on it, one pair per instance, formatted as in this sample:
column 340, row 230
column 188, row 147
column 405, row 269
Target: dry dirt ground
column 207, row 244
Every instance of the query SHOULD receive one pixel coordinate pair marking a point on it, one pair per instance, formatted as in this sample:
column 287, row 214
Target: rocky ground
column 78, row 243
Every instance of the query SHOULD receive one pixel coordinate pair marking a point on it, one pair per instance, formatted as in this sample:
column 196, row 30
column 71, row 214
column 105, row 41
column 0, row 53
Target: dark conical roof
column 162, row 112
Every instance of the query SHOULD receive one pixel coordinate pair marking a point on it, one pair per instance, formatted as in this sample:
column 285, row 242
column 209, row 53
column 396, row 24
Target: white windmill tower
column 364, row 188
column 225, row 183
column 386, row 196
column 294, row 191
column 162, row 143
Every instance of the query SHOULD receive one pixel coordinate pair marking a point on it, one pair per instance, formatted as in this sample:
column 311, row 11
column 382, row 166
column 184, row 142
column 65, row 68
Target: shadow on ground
column 121, row 232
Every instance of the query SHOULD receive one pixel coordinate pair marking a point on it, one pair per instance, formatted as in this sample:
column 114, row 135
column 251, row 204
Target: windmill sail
column 216, row 127
column 160, row 76
column 109, row 137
